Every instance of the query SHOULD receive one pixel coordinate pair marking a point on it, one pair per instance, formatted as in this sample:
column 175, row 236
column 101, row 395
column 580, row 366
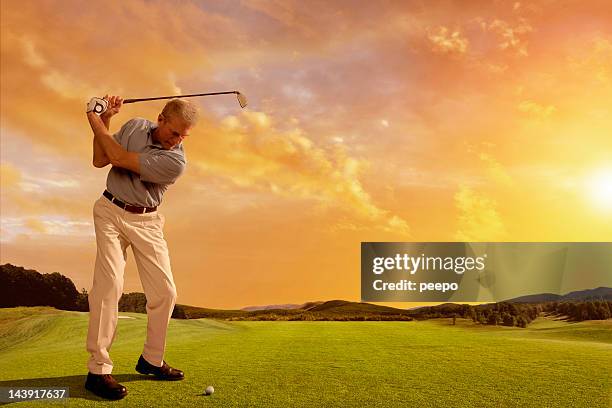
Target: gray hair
column 181, row 109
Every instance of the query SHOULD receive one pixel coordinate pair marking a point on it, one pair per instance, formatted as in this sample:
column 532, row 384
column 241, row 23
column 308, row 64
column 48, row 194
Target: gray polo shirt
column 158, row 167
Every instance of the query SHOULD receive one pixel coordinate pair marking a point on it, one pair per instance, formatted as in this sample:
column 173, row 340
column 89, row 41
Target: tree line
column 579, row 311
column 27, row 287
column 506, row 314
column 501, row 314
column 519, row 314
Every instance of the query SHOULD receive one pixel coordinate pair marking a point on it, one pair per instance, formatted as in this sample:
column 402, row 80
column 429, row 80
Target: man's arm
column 99, row 157
column 116, row 154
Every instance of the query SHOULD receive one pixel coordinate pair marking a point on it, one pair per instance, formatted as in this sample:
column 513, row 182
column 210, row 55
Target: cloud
column 446, row 41
column 285, row 12
column 495, row 170
column 10, row 176
column 48, row 81
column 46, row 227
column 511, row 37
column 478, row 219
column 27, row 196
column 30, row 55
column 253, row 153
column 35, row 225
column 593, row 60
column 536, row 110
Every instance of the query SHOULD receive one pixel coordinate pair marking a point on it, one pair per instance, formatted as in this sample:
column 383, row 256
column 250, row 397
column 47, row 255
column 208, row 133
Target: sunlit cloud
column 479, row 219
column 536, row 110
column 495, row 170
column 30, row 55
column 250, row 151
column 46, row 226
column 10, row 176
column 511, row 36
column 447, row 41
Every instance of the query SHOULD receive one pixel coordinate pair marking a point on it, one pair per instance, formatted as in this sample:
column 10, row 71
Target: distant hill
column 329, row 310
column 600, row 293
column 344, row 306
column 303, row 306
column 268, row 307
column 541, row 297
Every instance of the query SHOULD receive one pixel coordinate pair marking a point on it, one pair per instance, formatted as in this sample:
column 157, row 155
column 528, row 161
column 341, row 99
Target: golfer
column 146, row 158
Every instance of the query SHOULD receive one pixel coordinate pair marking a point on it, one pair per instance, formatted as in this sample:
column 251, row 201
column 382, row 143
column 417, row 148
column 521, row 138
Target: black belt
column 128, row 207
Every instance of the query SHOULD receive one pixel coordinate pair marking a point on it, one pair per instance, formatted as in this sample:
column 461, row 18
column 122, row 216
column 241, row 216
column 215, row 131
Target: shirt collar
column 150, row 135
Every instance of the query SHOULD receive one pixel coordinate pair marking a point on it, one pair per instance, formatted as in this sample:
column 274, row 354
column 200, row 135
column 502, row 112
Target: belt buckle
column 144, row 210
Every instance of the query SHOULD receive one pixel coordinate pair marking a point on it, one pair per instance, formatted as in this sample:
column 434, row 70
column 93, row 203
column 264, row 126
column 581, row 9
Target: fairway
column 344, row 364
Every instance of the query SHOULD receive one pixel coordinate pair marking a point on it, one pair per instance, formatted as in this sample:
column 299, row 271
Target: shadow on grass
column 75, row 384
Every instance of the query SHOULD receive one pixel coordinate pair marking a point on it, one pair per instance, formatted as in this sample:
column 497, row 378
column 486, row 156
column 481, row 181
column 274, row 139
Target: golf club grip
column 177, row 96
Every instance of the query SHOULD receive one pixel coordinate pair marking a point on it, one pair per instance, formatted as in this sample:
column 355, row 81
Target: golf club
column 241, row 98
column 99, row 105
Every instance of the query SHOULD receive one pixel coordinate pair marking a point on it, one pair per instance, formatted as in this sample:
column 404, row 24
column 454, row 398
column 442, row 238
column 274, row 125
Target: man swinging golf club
column 146, row 158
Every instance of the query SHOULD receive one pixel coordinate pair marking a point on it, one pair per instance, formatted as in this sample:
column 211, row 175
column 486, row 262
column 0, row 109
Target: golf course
column 322, row 363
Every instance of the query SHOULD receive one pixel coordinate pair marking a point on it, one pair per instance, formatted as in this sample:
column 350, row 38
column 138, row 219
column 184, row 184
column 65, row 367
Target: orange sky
column 367, row 121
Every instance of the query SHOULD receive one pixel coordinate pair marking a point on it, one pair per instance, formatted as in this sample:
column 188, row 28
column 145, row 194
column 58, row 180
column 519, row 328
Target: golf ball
column 209, row 390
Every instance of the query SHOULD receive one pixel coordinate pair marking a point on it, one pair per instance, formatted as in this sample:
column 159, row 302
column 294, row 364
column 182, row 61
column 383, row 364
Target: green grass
column 344, row 364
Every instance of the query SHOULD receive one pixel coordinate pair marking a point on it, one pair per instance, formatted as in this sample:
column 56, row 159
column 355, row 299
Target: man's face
column 171, row 131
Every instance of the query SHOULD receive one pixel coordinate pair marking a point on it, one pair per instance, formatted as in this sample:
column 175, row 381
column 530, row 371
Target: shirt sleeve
column 160, row 167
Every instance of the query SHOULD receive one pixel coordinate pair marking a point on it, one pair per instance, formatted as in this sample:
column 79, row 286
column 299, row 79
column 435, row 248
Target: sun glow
column 599, row 186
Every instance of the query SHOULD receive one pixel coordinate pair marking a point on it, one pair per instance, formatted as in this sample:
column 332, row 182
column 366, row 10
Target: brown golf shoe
column 105, row 386
column 165, row 372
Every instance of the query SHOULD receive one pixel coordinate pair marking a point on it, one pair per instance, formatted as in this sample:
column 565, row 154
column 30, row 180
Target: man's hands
column 106, row 148
column 100, row 157
column 114, row 105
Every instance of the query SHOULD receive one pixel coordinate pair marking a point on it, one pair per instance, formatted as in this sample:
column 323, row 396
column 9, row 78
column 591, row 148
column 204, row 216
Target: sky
column 399, row 121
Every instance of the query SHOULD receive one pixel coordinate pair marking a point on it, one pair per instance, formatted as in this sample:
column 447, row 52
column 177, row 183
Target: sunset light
column 600, row 189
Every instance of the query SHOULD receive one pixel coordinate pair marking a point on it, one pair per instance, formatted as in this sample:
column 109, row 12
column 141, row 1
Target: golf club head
column 241, row 100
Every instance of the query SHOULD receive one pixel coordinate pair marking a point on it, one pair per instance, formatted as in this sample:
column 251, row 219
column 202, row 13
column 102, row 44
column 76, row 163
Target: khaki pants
column 116, row 229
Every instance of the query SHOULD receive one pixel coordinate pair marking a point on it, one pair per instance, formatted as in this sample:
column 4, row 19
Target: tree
column 179, row 312
column 603, row 313
column 508, row 319
column 83, row 301
column 591, row 311
column 493, row 319
column 482, row 319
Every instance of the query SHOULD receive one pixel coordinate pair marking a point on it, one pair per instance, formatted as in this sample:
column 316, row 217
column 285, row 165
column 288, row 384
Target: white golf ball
column 209, row 390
